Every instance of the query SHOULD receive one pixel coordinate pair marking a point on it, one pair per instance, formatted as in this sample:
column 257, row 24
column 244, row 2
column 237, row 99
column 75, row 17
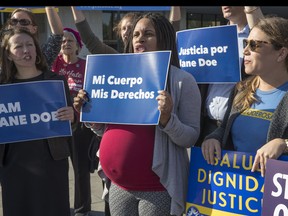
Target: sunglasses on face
column 253, row 44
column 23, row 22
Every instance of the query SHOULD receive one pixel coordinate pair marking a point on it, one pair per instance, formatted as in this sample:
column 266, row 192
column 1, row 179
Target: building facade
column 102, row 22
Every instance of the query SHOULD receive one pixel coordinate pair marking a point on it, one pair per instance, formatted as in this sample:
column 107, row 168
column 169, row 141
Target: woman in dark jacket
column 33, row 174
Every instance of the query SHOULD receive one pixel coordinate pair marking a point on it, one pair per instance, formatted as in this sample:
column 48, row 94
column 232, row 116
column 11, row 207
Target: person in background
column 72, row 67
column 33, row 174
column 122, row 29
column 215, row 96
column 24, row 18
column 92, row 42
column 152, row 172
column 175, row 17
column 256, row 120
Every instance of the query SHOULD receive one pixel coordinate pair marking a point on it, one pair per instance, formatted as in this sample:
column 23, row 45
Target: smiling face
column 22, row 50
column 144, row 37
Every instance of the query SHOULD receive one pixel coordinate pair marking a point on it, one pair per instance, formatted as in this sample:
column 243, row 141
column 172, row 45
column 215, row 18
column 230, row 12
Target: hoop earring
column 38, row 60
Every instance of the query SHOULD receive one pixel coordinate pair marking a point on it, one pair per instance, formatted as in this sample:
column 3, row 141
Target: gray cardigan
column 278, row 127
column 170, row 158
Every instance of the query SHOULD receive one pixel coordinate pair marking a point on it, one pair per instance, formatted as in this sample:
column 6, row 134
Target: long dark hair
column 8, row 68
column 165, row 33
column 166, row 38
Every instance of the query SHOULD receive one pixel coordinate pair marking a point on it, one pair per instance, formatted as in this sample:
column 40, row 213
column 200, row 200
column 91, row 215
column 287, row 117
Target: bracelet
column 250, row 11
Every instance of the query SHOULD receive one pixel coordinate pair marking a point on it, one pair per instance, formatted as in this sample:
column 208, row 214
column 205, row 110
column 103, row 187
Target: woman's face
column 144, row 37
column 259, row 55
column 126, row 26
column 69, row 44
column 22, row 50
column 21, row 15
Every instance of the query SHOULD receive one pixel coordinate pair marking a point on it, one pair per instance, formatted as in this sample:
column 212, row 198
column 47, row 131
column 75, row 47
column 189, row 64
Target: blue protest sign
column 27, row 111
column 226, row 188
column 210, row 54
column 275, row 198
column 125, row 8
column 122, row 88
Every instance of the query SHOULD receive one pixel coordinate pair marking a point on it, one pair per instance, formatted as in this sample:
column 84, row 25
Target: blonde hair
column 246, row 93
column 132, row 16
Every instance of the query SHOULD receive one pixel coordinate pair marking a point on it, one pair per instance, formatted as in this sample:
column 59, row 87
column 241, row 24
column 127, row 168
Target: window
column 3, row 17
column 197, row 20
column 110, row 19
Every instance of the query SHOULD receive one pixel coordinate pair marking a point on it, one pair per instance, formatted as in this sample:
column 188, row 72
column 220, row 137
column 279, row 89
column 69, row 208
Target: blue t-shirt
column 250, row 128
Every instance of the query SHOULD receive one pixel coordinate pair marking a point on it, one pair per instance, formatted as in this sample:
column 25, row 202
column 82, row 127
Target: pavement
column 97, row 205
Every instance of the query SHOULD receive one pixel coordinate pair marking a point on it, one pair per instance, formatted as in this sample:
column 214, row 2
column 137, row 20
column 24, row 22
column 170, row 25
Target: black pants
column 32, row 182
column 82, row 137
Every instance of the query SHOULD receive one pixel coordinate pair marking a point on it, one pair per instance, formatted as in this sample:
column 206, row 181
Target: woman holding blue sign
column 148, row 165
column 34, row 172
column 256, row 119
column 215, row 95
column 122, row 29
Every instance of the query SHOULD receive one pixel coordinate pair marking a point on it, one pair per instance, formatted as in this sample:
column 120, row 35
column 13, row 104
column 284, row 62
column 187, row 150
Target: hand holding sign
column 165, row 106
column 80, row 100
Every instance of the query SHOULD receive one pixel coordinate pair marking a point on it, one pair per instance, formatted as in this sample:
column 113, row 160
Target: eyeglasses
column 253, row 44
column 23, row 22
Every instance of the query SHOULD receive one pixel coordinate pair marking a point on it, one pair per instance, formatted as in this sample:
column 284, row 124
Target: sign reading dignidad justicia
column 122, row 88
column 210, row 54
column 226, row 188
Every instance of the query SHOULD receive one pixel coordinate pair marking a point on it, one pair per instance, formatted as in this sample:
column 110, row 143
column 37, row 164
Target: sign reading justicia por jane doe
column 122, row 88
column 210, row 54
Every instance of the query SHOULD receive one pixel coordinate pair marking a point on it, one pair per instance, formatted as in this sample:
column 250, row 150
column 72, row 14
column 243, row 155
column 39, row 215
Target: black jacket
column 59, row 146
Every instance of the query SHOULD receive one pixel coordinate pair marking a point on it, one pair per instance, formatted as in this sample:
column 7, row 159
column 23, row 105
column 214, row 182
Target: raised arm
column 91, row 41
column 175, row 17
column 52, row 46
column 253, row 14
column 77, row 15
column 54, row 20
